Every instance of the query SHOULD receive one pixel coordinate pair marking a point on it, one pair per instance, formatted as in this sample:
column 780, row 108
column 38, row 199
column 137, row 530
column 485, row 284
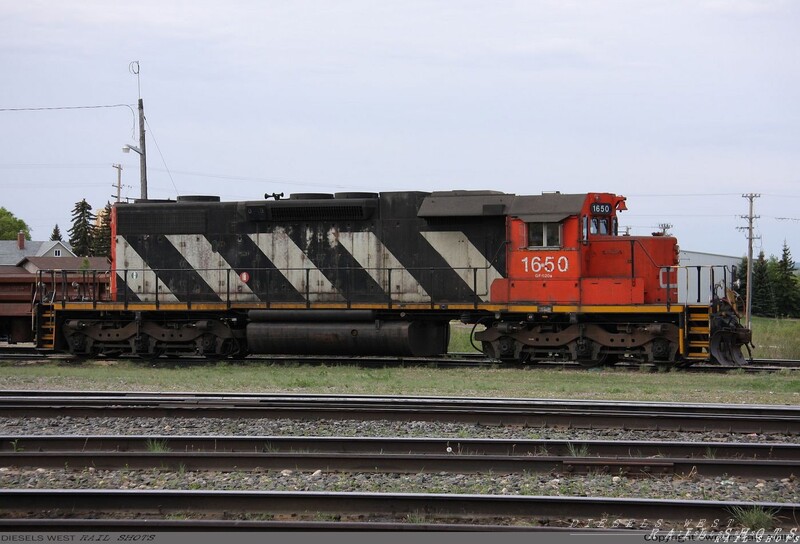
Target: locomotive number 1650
column 545, row 264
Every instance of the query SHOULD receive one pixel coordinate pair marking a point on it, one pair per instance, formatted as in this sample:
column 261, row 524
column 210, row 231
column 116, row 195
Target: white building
column 719, row 267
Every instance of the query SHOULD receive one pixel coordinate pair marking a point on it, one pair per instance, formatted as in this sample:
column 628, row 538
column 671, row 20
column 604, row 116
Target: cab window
column 544, row 235
column 600, row 225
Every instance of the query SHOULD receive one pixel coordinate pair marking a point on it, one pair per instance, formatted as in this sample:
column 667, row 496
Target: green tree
column 82, row 231
column 763, row 298
column 786, row 287
column 101, row 243
column 741, row 277
column 11, row 225
column 56, row 235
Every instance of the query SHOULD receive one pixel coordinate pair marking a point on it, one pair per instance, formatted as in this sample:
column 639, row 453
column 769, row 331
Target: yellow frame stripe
column 516, row 308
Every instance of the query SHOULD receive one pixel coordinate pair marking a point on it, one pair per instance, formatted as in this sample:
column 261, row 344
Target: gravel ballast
column 329, row 427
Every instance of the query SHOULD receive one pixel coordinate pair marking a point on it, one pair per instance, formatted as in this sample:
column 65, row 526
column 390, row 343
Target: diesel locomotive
column 541, row 277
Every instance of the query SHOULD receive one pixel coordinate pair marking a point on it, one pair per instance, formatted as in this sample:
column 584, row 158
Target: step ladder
column 46, row 331
column 698, row 332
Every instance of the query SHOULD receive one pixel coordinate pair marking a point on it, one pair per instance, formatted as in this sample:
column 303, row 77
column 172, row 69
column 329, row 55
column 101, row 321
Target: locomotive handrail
column 710, row 274
column 53, row 286
column 87, row 283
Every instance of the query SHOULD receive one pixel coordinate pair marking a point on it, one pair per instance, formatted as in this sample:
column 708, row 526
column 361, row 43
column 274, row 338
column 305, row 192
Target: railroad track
column 382, row 507
column 487, row 411
column 402, row 455
column 452, row 360
column 115, row 509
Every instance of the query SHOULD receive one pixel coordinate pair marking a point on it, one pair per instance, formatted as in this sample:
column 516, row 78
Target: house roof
column 10, row 253
column 67, row 263
column 11, row 272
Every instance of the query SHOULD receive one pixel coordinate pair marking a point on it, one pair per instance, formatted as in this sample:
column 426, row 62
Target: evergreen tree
column 786, row 287
column 82, row 231
column 101, row 244
column 763, row 299
column 741, row 277
column 56, row 235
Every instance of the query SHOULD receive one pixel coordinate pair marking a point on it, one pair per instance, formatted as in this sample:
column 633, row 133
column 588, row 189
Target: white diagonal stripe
column 377, row 260
column 464, row 258
column 210, row 266
column 290, row 261
column 141, row 278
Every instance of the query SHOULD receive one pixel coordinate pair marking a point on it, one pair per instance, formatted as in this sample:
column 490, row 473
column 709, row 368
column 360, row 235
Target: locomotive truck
column 540, row 277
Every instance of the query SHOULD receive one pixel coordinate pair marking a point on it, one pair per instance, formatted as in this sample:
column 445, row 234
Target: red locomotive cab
column 621, row 270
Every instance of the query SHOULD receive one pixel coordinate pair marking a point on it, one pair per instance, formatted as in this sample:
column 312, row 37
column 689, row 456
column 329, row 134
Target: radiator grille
column 173, row 222
column 317, row 213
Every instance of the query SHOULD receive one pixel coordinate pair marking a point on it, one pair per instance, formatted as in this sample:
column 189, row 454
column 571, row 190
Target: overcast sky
column 680, row 105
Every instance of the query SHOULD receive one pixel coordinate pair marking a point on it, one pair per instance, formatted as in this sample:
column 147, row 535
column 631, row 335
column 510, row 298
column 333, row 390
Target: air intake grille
column 173, row 222
column 314, row 213
column 310, row 210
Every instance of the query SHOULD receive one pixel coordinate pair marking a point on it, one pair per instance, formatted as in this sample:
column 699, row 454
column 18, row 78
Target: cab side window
column 544, row 235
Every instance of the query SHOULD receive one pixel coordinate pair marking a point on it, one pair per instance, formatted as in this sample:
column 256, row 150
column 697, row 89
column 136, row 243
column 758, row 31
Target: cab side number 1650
column 545, row 264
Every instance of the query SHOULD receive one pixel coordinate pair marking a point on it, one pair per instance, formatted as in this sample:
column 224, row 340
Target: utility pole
column 664, row 228
column 748, row 311
column 142, row 155
column 119, row 180
column 133, row 67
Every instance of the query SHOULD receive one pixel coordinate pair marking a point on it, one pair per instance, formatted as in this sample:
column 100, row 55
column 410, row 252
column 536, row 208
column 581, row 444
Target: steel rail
column 501, row 402
column 403, row 463
column 455, row 446
column 402, row 455
column 441, row 506
column 227, row 525
column 451, row 360
column 526, row 412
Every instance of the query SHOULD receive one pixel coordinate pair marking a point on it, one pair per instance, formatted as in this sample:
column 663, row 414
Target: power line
column 680, row 194
column 153, row 136
column 52, row 108
column 63, row 108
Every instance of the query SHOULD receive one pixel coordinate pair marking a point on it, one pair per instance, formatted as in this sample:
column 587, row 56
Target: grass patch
column 577, row 451
column 459, row 338
column 754, row 517
column 157, row 446
column 258, row 376
column 776, row 338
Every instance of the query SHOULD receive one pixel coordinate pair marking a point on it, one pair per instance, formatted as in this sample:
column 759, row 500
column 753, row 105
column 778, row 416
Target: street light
column 128, row 148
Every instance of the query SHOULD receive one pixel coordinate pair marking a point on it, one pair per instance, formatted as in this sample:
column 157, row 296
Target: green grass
column 754, row 518
column 459, row 338
column 776, row 338
column 256, row 376
column 157, row 446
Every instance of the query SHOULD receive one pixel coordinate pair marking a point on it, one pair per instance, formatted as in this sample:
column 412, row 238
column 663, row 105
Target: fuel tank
column 399, row 338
